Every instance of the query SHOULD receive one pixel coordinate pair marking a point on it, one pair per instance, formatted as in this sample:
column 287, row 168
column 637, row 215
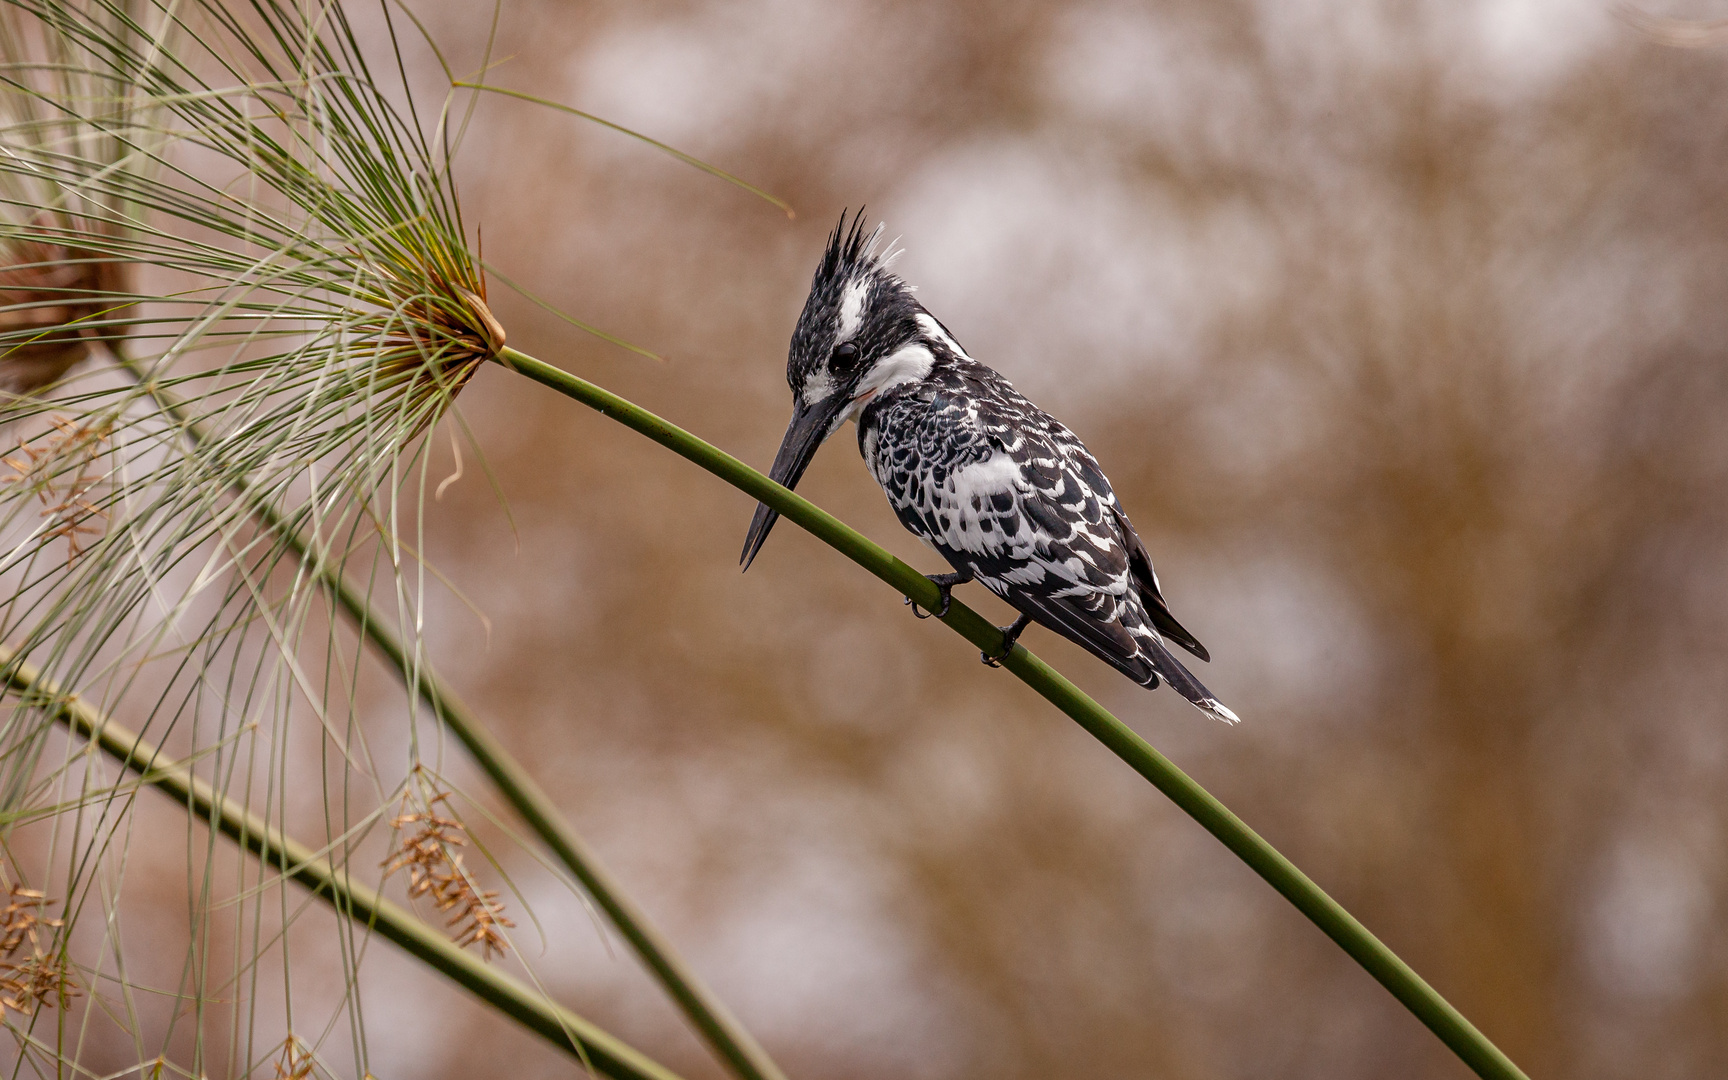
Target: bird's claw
column 941, row 612
column 1010, row 634
column 945, row 585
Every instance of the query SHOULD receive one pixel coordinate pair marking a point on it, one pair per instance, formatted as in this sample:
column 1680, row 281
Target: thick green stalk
column 1409, row 988
column 351, row 899
column 724, row 1034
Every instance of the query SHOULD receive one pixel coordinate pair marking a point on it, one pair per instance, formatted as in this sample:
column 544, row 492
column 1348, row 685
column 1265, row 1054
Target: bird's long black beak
column 809, row 427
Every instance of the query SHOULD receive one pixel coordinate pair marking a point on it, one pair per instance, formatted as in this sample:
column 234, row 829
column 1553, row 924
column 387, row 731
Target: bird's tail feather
column 1122, row 639
column 1183, row 681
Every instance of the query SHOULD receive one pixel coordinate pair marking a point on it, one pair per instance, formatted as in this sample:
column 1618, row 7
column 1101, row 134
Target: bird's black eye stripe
column 845, row 353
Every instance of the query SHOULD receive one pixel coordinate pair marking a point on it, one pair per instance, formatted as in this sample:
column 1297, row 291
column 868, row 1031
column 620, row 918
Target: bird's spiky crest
column 851, row 251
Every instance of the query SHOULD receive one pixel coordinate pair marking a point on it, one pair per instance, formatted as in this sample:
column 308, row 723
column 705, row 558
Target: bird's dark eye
column 845, row 353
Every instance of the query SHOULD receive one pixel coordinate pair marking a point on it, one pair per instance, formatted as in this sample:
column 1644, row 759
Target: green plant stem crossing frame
column 592, row 1046
column 1394, row 974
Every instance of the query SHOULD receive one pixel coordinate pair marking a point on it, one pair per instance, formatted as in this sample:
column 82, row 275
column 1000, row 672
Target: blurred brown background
column 1399, row 327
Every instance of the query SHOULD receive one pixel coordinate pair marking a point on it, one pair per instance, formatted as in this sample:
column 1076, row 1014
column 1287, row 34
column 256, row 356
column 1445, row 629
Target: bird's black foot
column 946, row 583
column 1010, row 634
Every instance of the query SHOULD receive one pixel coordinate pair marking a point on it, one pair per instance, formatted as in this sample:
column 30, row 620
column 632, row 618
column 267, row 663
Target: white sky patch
column 821, row 940
column 1129, row 69
column 698, row 81
column 852, row 308
column 1649, row 919
column 1531, row 43
column 1066, row 275
column 1290, row 626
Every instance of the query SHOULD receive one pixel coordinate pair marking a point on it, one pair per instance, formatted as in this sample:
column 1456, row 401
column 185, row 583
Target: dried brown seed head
column 435, row 871
column 51, row 296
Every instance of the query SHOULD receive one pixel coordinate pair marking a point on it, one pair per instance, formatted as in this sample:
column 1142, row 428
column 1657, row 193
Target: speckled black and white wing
column 1002, row 489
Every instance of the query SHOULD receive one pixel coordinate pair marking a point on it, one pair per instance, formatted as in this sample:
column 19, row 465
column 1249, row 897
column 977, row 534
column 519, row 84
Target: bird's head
column 860, row 334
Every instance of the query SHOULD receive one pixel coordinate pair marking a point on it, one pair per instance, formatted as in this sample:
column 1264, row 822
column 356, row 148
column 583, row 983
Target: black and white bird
column 1005, row 493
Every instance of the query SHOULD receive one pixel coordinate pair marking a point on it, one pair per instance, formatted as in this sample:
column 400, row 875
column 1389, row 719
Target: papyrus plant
column 265, row 257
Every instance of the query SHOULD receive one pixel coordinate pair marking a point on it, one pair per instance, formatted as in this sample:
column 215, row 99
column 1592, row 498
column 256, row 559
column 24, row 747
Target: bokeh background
column 1399, row 327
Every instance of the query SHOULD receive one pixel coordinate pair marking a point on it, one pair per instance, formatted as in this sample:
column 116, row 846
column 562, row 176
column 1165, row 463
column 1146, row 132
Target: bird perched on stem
column 1010, row 497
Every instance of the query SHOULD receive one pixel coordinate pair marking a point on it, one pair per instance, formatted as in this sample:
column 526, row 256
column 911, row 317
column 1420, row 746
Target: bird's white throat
column 908, row 364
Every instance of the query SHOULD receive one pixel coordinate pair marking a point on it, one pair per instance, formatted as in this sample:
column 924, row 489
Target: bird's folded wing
column 1088, row 622
column 1140, row 564
column 1061, row 469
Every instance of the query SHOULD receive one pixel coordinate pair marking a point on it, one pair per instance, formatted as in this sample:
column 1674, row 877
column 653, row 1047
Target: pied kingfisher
column 997, row 486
